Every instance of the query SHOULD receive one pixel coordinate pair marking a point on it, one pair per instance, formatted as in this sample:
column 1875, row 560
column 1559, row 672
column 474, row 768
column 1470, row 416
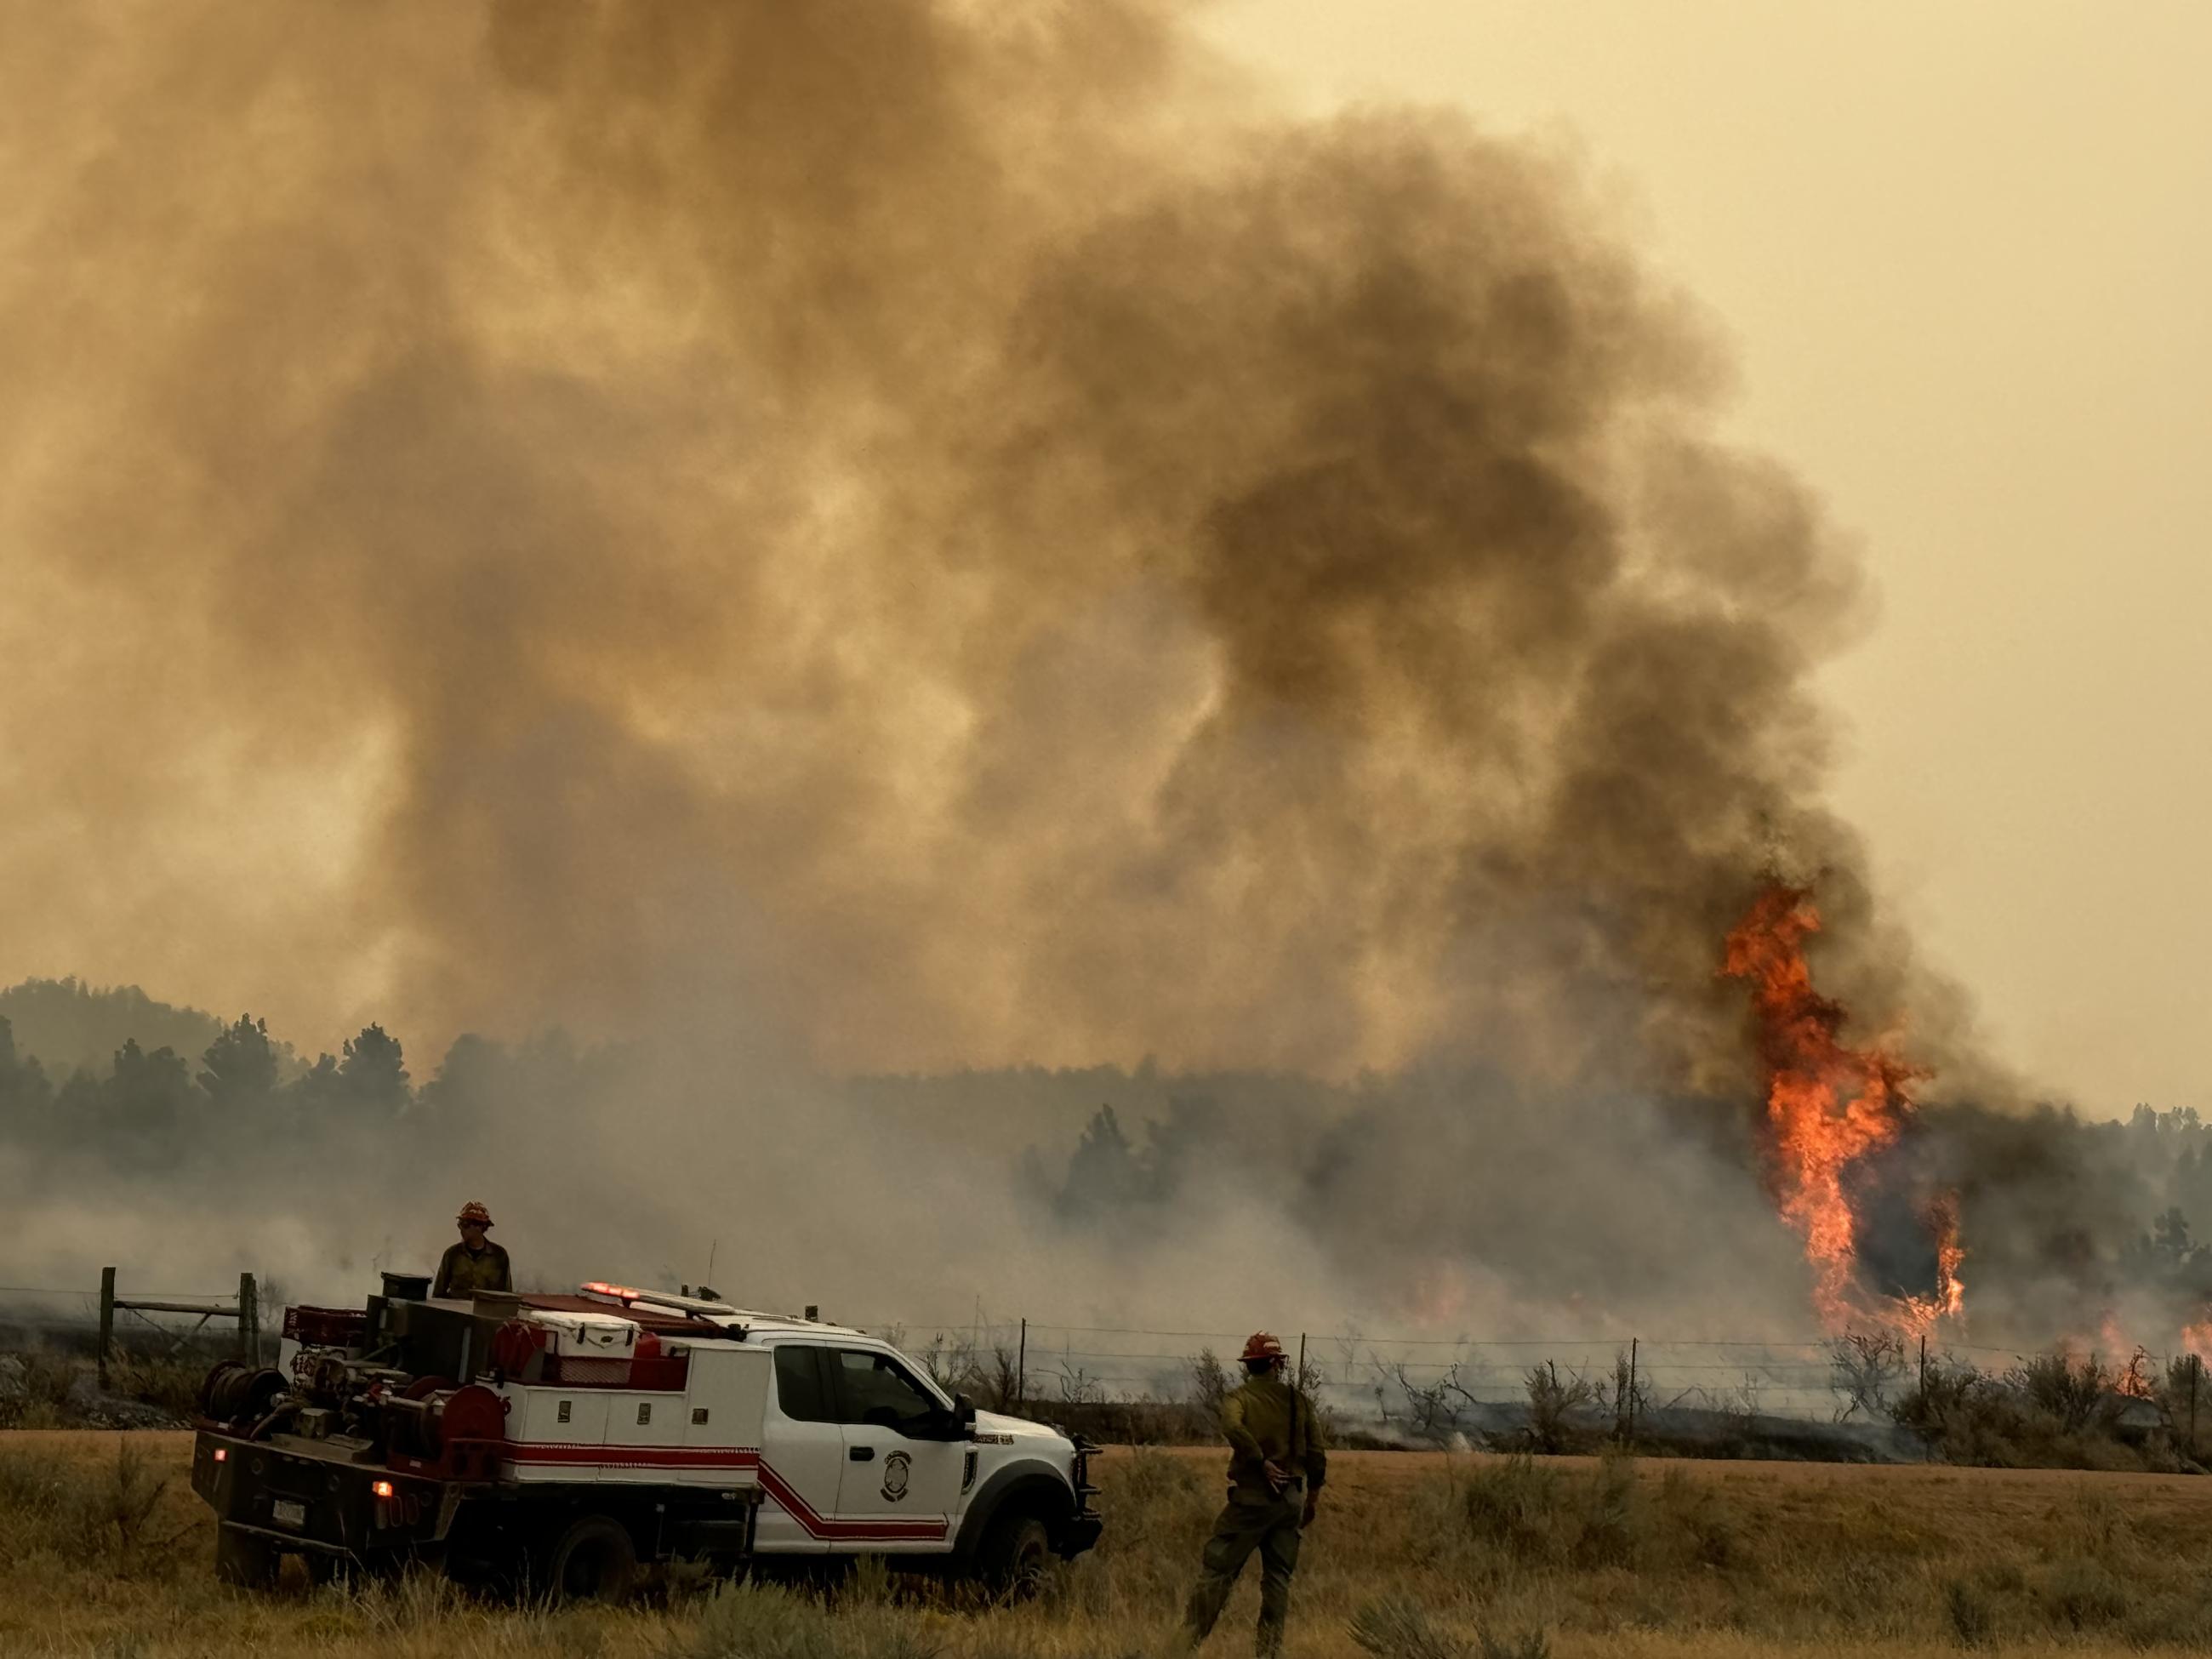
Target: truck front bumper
column 1078, row 1535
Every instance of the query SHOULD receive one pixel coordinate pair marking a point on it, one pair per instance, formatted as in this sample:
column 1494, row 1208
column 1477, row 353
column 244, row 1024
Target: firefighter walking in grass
column 1278, row 1460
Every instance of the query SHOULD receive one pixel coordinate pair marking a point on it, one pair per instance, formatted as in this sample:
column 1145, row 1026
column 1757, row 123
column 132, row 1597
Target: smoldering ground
column 840, row 539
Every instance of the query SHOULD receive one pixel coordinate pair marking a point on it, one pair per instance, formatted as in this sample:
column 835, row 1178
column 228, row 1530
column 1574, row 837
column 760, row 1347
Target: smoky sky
column 937, row 534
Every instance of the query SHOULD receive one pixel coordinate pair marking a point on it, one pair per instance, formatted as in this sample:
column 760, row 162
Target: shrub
column 122, row 1507
column 768, row 1622
column 2049, row 1412
column 1552, row 1408
column 39, row 1398
column 2076, row 1395
column 1972, row 1617
column 1148, row 1482
column 1134, row 1422
column 1518, row 1511
column 1947, row 1393
column 1399, row 1627
column 1700, row 1522
column 171, row 1385
column 2094, row 1526
column 1428, row 1409
column 990, row 1377
column 38, row 1508
column 2081, row 1594
column 1866, row 1368
column 2168, row 1621
column 1510, row 1506
column 1082, row 1588
column 1610, row 1515
column 1210, row 1384
column 107, row 1520
column 417, row 1601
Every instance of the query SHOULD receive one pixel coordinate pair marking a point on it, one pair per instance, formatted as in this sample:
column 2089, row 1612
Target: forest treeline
column 2067, row 1219
column 155, row 1103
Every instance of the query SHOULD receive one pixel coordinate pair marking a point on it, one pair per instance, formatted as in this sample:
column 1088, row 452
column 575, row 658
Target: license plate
column 287, row 1513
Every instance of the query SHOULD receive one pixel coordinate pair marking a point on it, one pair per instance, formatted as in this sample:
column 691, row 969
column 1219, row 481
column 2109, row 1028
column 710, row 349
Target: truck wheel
column 1012, row 1559
column 242, row 1559
column 593, row 1561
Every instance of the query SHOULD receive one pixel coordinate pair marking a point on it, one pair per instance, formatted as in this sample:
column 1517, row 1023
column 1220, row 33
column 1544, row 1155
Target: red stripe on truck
column 818, row 1526
column 634, row 1457
column 537, row 1454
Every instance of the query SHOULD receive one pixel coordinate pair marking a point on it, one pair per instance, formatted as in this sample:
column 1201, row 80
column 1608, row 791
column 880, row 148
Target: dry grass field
column 104, row 1551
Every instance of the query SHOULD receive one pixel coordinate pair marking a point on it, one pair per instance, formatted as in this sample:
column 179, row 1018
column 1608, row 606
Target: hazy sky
column 263, row 748
column 1965, row 251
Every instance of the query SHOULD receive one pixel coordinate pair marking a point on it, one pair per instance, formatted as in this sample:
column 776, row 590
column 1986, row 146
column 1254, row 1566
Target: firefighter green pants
column 1270, row 1527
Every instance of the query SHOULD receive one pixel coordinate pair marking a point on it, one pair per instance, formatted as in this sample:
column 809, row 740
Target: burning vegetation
column 1831, row 1110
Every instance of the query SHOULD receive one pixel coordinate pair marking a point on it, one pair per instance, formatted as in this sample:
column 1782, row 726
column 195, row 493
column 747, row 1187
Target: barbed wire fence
column 1430, row 1385
column 1421, row 1386
column 171, row 1324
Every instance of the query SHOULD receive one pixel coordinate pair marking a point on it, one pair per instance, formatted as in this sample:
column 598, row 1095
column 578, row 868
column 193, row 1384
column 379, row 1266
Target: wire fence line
column 78, row 1293
column 1389, row 1376
column 1822, row 1379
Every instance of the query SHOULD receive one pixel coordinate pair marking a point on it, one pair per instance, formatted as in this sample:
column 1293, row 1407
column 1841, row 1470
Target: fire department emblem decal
column 897, row 1468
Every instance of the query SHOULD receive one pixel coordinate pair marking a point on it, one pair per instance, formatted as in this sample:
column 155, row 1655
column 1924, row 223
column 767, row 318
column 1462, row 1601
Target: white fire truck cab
column 862, row 1453
column 564, row 1441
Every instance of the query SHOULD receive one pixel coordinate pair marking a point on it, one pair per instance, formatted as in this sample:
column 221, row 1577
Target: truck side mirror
column 963, row 1414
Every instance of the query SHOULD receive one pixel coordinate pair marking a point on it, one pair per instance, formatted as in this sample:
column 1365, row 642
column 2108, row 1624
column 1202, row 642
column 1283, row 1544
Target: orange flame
column 1917, row 1314
column 2198, row 1340
column 2111, row 1333
column 2137, row 1379
column 2134, row 1379
column 1829, row 1105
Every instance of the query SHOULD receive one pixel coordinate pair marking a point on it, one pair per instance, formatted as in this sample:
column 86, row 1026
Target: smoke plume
column 894, row 502
column 906, row 536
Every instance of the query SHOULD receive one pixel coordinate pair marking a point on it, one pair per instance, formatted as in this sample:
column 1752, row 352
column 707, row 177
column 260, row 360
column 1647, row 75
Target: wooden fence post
column 1632, row 1345
column 1927, row 1417
column 106, row 1321
column 1021, row 1365
column 249, row 1320
column 2197, row 1385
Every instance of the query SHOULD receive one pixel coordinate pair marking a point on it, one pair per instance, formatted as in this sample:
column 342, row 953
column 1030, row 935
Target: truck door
column 901, row 1483
column 802, row 1454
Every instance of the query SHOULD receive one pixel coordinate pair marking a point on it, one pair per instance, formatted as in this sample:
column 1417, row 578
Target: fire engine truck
column 566, row 1444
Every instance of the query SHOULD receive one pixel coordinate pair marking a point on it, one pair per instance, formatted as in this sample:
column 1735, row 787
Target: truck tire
column 593, row 1560
column 242, row 1559
column 1012, row 1559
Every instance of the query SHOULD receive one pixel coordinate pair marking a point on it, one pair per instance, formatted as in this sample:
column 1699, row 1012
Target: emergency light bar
column 627, row 1294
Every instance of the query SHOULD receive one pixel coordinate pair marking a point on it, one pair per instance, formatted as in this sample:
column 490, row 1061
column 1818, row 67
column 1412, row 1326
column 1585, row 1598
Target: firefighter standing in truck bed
column 1278, row 1460
column 476, row 1263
